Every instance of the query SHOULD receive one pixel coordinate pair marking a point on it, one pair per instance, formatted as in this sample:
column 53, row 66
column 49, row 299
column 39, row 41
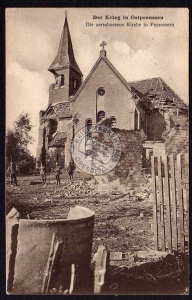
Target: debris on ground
column 123, row 223
column 168, row 275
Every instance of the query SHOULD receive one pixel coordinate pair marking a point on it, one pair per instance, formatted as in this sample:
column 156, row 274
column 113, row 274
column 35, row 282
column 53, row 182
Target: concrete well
column 46, row 250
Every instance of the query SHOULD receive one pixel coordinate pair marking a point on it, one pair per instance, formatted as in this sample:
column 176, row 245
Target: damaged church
column 148, row 105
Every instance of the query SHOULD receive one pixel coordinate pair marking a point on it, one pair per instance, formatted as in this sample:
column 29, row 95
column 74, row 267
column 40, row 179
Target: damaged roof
column 157, row 93
column 58, row 140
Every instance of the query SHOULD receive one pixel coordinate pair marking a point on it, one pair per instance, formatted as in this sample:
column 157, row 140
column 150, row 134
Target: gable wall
column 116, row 101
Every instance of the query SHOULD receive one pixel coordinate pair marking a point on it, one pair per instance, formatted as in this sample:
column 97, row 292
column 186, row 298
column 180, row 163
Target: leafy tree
column 22, row 128
column 17, row 141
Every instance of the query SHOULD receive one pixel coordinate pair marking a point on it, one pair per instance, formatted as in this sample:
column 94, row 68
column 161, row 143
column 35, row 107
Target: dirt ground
column 122, row 222
column 123, row 218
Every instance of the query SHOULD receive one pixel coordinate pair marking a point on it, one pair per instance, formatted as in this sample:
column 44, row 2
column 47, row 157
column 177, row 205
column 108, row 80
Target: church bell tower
column 67, row 75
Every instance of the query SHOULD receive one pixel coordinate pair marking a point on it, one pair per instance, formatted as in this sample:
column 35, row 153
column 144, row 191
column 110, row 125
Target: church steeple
column 67, row 74
column 65, row 55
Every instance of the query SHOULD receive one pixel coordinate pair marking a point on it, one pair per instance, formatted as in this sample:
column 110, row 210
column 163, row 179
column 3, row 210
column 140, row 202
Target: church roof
column 127, row 85
column 59, row 110
column 65, row 56
column 155, row 92
column 58, row 140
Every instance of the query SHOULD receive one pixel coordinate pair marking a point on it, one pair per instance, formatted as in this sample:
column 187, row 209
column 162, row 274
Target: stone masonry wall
column 129, row 168
column 177, row 140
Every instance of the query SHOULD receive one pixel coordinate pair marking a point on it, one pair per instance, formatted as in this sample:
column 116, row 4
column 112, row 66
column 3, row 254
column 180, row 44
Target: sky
column 32, row 40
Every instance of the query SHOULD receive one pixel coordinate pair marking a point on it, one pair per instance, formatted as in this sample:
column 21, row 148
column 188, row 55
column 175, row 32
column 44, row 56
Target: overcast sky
column 33, row 35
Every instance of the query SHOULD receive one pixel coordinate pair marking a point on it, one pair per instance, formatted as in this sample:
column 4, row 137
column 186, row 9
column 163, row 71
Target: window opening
column 100, row 115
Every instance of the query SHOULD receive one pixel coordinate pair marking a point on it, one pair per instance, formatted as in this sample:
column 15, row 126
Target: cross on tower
column 103, row 44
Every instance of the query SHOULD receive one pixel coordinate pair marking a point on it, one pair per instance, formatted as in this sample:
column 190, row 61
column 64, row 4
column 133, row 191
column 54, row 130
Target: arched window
column 113, row 121
column 62, row 80
column 100, row 115
column 75, row 83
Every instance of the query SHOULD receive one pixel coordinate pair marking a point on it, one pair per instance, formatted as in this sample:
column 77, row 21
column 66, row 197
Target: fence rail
column 170, row 182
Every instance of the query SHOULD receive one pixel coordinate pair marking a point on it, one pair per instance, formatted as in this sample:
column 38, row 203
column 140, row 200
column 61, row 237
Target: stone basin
column 40, row 243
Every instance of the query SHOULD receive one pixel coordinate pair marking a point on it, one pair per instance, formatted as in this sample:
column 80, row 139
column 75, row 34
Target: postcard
column 97, row 145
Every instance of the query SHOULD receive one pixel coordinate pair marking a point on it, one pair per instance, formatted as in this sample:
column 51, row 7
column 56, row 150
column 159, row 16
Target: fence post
column 168, row 208
column 180, row 200
column 161, row 200
column 174, row 203
column 155, row 216
column 187, row 186
column 101, row 265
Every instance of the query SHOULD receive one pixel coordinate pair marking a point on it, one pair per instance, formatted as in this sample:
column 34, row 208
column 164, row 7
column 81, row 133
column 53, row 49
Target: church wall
column 62, row 125
column 73, row 86
column 62, row 93
column 57, row 95
column 117, row 100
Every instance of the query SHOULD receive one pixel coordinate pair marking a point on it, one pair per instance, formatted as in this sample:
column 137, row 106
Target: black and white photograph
column 97, row 151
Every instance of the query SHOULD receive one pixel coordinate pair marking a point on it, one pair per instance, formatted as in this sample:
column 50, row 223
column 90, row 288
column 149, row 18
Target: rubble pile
column 78, row 189
column 166, row 275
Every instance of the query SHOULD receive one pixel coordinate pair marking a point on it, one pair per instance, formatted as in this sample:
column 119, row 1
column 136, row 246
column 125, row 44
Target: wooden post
column 168, row 208
column 100, row 268
column 72, row 279
column 174, row 203
column 161, row 200
column 155, row 216
column 187, row 187
column 180, row 200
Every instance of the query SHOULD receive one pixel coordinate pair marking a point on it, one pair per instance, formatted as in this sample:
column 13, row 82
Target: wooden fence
column 170, row 181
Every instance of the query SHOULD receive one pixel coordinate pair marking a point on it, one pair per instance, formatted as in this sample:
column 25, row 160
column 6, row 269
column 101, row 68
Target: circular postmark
column 96, row 149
